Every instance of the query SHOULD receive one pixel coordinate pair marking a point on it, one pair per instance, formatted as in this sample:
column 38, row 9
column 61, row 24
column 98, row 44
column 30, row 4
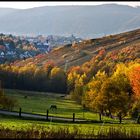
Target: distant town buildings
column 22, row 47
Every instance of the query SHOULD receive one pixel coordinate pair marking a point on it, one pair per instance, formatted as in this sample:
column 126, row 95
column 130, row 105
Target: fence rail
column 40, row 116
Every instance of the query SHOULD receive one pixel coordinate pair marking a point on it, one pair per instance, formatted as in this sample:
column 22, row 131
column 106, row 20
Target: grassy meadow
column 39, row 103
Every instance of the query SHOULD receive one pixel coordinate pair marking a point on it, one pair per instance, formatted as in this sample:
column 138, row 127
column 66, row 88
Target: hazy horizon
column 35, row 21
column 28, row 5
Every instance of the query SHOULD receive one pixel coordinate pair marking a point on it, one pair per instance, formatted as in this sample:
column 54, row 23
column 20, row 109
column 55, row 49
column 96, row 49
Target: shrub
column 8, row 102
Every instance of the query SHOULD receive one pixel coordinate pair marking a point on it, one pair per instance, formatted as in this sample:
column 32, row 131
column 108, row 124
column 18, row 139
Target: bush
column 135, row 113
column 8, row 103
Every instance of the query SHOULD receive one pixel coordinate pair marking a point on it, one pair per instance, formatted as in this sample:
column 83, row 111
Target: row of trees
column 48, row 78
column 108, row 87
column 111, row 95
column 115, row 95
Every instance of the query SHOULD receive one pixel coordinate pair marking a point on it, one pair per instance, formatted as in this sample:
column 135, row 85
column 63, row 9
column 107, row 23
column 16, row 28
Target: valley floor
column 35, row 103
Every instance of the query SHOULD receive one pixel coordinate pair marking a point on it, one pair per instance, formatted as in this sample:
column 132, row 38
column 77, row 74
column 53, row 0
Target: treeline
column 109, row 84
column 30, row 77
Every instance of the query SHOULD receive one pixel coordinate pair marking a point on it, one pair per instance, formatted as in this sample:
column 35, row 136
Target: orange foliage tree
column 135, row 81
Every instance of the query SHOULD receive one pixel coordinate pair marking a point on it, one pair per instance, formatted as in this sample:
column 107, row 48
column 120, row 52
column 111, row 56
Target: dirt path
column 37, row 116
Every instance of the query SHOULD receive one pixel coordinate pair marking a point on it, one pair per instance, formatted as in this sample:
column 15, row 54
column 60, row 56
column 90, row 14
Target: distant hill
column 78, row 53
column 7, row 11
column 82, row 21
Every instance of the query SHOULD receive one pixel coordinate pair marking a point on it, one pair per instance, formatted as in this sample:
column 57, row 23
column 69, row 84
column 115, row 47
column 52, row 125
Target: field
column 39, row 102
column 35, row 103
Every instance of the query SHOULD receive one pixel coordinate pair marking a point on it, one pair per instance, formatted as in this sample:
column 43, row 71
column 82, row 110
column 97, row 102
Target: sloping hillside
column 78, row 53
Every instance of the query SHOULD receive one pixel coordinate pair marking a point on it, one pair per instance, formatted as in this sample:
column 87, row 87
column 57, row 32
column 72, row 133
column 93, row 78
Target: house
column 7, row 46
column 10, row 53
column 2, row 48
column 49, row 49
column 46, row 44
column 2, row 54
column 39, row 44
column 21, row 56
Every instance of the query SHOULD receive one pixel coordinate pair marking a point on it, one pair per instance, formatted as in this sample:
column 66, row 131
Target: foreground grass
column 13, row 123
column 14, row 127
column 41, row 133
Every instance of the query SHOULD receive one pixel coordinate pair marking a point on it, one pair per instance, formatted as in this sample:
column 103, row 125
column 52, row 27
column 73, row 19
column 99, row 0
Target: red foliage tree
column 135, row 80
column 101, row 52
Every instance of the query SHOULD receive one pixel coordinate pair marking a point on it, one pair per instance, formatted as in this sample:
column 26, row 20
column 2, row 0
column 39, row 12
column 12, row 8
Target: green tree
column 115, row 101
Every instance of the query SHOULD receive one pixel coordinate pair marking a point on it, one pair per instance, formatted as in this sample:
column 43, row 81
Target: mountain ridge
column 82, row 21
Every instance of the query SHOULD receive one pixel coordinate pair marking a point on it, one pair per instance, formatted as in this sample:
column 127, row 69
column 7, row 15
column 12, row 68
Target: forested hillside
column 49, row 72
column 77, row 53
column 109, row 83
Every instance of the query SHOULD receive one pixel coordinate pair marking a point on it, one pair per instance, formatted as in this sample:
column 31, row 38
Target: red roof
column 2, row 47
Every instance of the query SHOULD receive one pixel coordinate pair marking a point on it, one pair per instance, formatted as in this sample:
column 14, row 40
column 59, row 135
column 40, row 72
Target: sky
column 26, row 5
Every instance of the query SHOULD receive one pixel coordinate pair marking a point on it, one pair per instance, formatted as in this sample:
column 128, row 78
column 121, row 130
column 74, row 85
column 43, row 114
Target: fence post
column 47, row 116
column 20, row 112
column 138, row 119
column 73, row 117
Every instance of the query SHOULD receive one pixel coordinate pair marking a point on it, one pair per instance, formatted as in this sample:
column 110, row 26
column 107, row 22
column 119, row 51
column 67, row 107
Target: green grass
column 17, row 123
column 40, row 102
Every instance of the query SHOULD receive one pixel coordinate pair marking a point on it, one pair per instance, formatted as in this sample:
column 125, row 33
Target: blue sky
column 25, row 5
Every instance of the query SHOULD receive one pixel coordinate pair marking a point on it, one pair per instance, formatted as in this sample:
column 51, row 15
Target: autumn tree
column 110, row 96
column 134, row 76
column 135, row 81
column 79, row 87
column 122, row 91
column 58, row 80
column 92, row 98
column 115, row 101
column 72, row 75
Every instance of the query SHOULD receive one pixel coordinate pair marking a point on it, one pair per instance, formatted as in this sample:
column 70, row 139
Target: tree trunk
column 138, row 120
column 110, row 114
column 100, row 116
column 120, row 118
